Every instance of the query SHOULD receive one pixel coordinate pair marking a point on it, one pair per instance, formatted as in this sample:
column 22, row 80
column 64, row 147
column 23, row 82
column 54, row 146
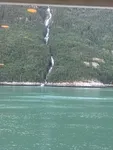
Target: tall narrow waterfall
column 47, row 24
column 46, row 39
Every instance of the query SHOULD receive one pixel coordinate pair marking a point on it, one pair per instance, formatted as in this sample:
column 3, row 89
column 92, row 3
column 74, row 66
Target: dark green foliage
column 79, row 35
column 76, row 35
column 22, row 50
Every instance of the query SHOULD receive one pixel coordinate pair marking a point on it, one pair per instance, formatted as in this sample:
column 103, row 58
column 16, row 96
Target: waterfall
column 46, row 39
column 50, row 69
column 48, row 17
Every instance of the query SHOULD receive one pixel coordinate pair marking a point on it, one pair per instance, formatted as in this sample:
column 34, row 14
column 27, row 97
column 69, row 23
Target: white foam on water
column 14, row 107
column 99, row 147
column 42, row 85
column 64, row 97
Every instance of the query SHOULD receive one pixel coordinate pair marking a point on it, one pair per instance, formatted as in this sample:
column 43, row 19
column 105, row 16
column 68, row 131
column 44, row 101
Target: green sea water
column 47, row 118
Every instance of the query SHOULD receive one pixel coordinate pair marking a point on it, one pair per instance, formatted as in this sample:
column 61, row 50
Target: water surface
column 35, row 118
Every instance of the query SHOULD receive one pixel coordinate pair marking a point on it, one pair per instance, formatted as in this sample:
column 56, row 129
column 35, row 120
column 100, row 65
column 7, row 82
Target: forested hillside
column 80, row 41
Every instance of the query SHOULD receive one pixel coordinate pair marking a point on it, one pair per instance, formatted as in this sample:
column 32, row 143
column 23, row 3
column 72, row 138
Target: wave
column 52, row 97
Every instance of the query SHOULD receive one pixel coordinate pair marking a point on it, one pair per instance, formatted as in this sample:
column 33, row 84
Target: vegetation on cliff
column 80, row 41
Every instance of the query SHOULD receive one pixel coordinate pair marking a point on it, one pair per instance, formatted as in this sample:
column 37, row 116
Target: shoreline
column 80, row 84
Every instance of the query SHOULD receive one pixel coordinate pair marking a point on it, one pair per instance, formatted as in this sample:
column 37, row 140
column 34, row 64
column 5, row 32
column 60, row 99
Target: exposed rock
column 19, row 83
column 78, row 83
column 87, row 63
column 87, row 83
column 95, row 65
column 99, row 60
column 26, row 19
column 20, row 18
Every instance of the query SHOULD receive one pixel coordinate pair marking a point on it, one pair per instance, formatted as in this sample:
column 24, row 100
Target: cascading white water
column 47, row 24
column 52, row 64
column 48, row 18
column 46, row 38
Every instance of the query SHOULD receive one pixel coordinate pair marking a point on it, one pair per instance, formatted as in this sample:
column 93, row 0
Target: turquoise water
column 35, row 118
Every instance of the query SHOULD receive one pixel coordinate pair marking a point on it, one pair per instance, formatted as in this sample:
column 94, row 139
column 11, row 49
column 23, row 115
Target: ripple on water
column 56, row 97
column 56, row 122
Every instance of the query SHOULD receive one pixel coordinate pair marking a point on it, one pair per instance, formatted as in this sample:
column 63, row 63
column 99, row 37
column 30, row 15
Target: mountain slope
column 80, row 36
column 80, row 42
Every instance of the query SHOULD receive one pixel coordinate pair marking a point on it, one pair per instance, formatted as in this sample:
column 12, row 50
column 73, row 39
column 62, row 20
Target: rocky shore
column 59, row 84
